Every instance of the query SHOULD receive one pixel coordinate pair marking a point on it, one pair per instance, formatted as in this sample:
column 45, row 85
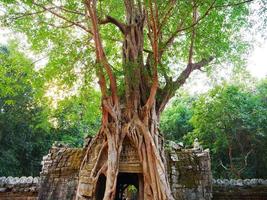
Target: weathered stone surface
column 247, row 189
column 14, row 188
column 59, row 176
column 238, row 183
column 189, row 173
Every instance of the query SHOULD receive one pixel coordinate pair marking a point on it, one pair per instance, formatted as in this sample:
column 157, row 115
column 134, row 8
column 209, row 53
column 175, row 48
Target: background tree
column 77, row 115
column 24, row 135
column 260, row 161
column 26, row 131
column 174, row 121
column 229, row 120
column 137, row 84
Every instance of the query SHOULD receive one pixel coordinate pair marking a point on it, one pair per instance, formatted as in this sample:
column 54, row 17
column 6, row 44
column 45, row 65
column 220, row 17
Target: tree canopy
column 200, row 32
column 230, row 121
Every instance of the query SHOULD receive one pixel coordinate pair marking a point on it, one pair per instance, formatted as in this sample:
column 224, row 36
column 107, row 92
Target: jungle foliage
column 27, row 130
column 231, row 121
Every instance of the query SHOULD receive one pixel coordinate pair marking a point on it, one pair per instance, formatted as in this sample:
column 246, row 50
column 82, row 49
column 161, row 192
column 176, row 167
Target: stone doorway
column 129, row 186
column 100, row 187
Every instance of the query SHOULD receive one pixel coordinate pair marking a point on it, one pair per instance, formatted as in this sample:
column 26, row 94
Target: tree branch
column 70, row 11
column 114, row 21
column 100, row 54
column 245, row 160
column 26, row 14
column 233, row 4
column 168, row 13
column 221, row 163
column 188, row 70
column 180, row 27
column 154, row 42
column 170, row 88
column 193, row 35
column 62, row 26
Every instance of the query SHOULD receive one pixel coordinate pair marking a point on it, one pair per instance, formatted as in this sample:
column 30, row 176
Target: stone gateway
column 65, row 168
column 189, row 175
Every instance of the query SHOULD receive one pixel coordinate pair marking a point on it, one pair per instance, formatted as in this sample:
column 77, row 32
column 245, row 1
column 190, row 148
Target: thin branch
column 147, row 50
column 61, row 26
column 233, row 4
column 193, row 35
column 166, row 15
column 180, row 27
column 221, row 163
column 212, row 6
column 246, row 160
column 71, row 11
column 64, row 18
column 39, row 59
column 21, row 15
column 68, row 10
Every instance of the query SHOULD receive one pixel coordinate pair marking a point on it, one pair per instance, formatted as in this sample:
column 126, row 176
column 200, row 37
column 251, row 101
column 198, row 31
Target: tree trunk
column 129, row 116
column 149, row 145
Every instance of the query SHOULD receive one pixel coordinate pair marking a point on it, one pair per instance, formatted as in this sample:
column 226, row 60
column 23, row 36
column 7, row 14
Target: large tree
column 133, row 46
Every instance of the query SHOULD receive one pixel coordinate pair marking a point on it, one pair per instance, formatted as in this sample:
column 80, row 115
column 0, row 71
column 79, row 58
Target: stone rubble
column 239, row 182
column 16, row 184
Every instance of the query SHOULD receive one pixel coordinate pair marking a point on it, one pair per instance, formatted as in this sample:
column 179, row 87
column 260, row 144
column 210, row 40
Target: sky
column 257, row 62
column 256, row 65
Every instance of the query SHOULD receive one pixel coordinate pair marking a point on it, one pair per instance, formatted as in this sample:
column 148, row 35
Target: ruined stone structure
column 26, row 188
column 188, row 170
column 14, row 188
column 247, row 189
column 60, row 172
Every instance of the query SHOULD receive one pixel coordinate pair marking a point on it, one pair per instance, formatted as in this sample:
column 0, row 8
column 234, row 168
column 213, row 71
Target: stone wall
column 26, row 188
column 14, row 188
column 59, row 176
column 188, row 169
column 247, row 189
column 190, row 174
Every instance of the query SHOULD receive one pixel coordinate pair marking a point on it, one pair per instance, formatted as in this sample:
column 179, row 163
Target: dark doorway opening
column 100, row 187
column 129, row 186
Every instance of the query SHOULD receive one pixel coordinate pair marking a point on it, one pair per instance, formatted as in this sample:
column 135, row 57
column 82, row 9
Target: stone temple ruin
column 188, row 170
column 189, row 173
